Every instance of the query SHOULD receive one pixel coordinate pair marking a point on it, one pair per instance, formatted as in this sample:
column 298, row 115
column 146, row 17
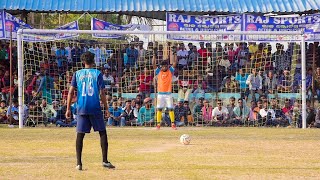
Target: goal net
column 211, row 69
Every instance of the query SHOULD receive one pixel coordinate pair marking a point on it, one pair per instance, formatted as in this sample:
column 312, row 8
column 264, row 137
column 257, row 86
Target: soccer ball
column 185, row 139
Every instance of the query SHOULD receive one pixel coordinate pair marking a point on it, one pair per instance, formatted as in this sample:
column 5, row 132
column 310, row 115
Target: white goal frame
column 22, row 32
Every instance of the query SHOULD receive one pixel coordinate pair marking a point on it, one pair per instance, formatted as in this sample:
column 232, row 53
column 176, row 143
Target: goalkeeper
column 164, row 76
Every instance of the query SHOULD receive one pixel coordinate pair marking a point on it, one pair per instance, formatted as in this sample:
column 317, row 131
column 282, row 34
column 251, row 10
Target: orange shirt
column 165, row 80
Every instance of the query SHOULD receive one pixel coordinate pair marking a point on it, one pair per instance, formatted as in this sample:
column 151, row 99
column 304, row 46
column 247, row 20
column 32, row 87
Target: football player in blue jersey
column 90, row 88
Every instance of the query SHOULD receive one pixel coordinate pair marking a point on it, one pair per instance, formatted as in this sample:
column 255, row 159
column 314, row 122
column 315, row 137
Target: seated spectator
column 116, row 118
column 189, row 113
column 285, row 82
column 255, row 84
column 146, row 114
column 13, row 113
column 3, row 112
column 136, row 110
column 270, row 83
column 197, row 111
column 241, row 78
column 206, row 113
column 199, row 92
column 220, row 114
column 296, row 115
column 275, row 116
column 317, row 119
column 35, row 113
column 229, row 85
column 287, row 110
column 317, row 84
column 180, row 114
column 254, row 110
column 231, row 106
column 185, row 86
column 311, row 113
column 49, row 113
column 128, row 113
column 241, row 113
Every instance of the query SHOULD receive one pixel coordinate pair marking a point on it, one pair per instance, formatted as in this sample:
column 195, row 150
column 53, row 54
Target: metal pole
column 313, row 71
column 20, row 78
column 10, row 59
column 303, row 73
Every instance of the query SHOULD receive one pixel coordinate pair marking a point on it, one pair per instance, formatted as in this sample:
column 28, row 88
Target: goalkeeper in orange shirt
column 164, row 75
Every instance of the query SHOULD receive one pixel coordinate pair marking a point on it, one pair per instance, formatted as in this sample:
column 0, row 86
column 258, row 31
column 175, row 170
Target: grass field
column 144, row 153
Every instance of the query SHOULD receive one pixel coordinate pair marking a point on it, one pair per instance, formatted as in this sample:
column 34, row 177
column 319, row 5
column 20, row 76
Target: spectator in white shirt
column 182, row 55
column 220, row 114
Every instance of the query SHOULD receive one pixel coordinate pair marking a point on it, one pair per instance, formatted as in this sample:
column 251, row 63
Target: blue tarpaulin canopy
column 157, row 8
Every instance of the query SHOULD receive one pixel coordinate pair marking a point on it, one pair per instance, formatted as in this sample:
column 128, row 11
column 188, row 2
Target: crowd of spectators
column 254, row 71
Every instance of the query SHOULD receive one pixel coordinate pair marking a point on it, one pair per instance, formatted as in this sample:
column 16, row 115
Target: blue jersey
column 88, row 82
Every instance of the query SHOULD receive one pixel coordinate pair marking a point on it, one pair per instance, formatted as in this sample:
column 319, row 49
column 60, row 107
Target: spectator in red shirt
column 203, row 56
column 185, row 86
column 145, row 81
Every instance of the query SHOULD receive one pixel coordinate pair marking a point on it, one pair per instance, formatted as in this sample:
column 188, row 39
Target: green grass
column 144, row 153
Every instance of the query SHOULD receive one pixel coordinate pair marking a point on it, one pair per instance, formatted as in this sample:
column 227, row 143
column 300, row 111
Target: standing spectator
column 220, row 113
column 132, row 54
column 255, row 84
column 61, row 55
column 142, row 60
column 46, row 86
column 146, row 113
column 193, row 57
column 241, row 112
column 116, row 119
column 182, row 56
column 145, row 81
column 69, row 55
column 203, row 57
column 242, row 77
column 180, row 114
column 75, row 55
column 309, row 80
column 108, row 80
column 6, row 89
column 242, row 55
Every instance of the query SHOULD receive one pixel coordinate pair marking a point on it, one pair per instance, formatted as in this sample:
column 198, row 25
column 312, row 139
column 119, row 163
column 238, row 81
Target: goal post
column 27, row 32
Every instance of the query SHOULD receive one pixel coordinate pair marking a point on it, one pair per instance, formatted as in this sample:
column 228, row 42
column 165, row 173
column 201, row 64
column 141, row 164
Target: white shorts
column 164, row 101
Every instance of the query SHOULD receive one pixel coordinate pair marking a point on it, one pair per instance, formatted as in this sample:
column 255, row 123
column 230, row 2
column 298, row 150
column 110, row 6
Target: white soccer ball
column 185, row 139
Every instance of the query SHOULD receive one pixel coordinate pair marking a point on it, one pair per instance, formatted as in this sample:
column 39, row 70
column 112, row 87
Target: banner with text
column 51, row 37
column 310, row 24
column 97, row 24
column 182, row 22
